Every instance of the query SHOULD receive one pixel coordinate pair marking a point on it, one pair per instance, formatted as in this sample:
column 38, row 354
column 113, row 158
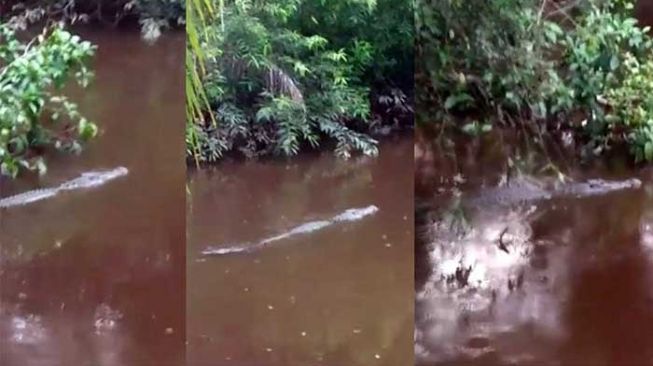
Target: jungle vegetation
column 275, row 77
column 34, row 112
column 576, row 68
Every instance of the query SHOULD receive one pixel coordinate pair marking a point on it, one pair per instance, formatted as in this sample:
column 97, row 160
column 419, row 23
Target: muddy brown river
column 340, row 295
column 96, row 277
column 565, row 281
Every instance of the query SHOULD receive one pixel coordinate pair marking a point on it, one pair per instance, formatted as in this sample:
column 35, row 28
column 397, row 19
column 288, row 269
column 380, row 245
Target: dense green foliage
column 579, row 66
column 33, row 112
column 283, row 74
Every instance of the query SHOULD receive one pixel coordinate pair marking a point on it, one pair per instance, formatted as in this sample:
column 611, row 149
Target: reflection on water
column 341, row 295
column 96, row 276
column 559, row 281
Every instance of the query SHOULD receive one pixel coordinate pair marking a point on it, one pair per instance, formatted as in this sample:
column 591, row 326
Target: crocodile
column 85, row 181
column 484, row 266
column 352, row 214
column 525, row 191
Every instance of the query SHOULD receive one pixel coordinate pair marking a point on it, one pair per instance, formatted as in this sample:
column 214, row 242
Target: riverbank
column 381, row 136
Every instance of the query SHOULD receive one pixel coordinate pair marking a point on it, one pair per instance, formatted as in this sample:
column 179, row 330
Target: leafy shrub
column 632, row 107
column 608, row 65
column 33, row 112
column 485, row 55
column 285, row 74
column 521, row 62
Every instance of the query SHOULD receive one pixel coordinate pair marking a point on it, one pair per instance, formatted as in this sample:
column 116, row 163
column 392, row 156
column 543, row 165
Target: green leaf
column 648, row 151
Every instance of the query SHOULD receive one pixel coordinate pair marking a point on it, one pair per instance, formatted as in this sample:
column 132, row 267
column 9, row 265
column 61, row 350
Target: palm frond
column 198, row 15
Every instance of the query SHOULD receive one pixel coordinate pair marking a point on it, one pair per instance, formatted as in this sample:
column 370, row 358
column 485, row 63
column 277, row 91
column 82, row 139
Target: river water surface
column 573, row 284
column 340, row 295
column 96, row 277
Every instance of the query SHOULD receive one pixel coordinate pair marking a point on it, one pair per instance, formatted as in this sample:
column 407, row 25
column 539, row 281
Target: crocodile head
column 353, row 214
column 94, row 178
column 600, row 186
column 624, row 184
